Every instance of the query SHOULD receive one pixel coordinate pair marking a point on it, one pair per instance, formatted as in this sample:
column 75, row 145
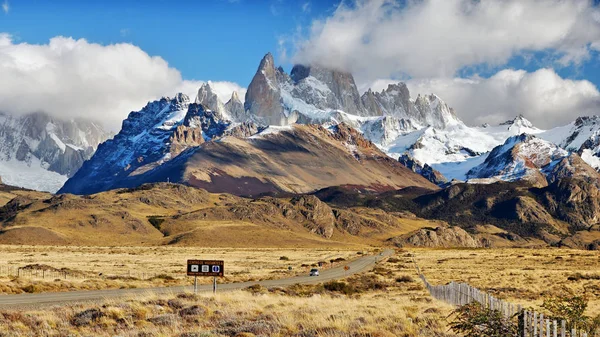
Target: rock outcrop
column 425, row 170
column 441, row 237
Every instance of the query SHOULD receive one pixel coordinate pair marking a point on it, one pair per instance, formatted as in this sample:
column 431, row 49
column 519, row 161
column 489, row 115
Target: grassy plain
column 385, row 302
column 524, row 276
column 127, row 267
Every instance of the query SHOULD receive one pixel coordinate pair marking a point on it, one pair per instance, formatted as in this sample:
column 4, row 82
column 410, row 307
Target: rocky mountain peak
column 521, row 157
column 263, row 97
column 335, row 89
column 207, row 97
column 519, row 121
column 235, row 97
column 235, row 108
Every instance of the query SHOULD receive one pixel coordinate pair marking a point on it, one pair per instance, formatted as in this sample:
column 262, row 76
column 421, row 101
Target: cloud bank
column 436, row 38
column 71, row 78
column 430, row 42
column 542, row 96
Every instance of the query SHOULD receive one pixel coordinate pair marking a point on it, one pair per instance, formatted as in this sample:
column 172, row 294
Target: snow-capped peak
column 521, row 157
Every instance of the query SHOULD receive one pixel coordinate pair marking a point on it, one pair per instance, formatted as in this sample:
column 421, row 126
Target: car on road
column 314, row 272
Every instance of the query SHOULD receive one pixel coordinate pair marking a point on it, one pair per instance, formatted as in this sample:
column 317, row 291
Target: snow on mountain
column 40, row 152
column 581, row 136
column 521, row 157
column 424, row 129
column 158, row 133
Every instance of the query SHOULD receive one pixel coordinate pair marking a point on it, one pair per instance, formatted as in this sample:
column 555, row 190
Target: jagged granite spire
column 207, row 97
column 263, row 98
column 235, row 107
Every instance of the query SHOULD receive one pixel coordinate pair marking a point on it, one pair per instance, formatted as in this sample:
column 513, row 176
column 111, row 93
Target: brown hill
column 279, row 160
column 301, row 159
column 564, row 213
column 163, row 213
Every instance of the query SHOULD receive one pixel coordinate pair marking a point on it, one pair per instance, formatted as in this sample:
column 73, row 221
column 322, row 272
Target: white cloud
column 541, row 96
column 5, row 6
column 74, row 78
column 436, row 38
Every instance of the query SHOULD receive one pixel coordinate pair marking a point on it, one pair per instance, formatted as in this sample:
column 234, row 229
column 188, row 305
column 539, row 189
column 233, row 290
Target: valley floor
column 33, row 269
column 390, row 300
column 387, row 301
column 521, row 276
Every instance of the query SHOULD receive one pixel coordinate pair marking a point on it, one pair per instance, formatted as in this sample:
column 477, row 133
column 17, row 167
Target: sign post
column 212, row 268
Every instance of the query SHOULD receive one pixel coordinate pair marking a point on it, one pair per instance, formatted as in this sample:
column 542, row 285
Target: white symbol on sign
column 194, row 268
column 216, row 269
column 205, row 268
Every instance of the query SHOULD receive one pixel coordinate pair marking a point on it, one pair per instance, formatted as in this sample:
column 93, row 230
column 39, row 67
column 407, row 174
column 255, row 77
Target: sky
column 490, row 60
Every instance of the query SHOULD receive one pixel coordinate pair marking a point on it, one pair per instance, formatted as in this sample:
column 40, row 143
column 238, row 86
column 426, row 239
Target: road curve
column 36, row 300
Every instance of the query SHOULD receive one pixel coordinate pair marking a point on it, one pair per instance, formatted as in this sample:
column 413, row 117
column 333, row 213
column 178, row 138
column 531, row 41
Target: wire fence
column 30, row 272
column 531, row 323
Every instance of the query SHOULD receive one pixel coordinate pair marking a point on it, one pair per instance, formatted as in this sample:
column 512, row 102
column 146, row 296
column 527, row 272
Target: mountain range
column 312, row 133
column 205, row 141
column 41, row 152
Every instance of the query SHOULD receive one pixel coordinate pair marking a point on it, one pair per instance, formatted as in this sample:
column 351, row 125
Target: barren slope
column 156, row 214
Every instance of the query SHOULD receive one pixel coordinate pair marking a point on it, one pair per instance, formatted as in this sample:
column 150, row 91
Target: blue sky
column 217, row 40
column 489, row 60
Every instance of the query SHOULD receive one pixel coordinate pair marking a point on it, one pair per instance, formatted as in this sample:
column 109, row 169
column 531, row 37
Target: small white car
column 314, row 272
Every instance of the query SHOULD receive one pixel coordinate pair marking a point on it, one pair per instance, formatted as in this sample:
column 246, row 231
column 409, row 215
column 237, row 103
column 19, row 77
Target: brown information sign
column 205, row 268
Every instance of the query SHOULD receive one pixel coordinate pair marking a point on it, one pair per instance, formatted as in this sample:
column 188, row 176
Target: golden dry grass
column 523, row 276
column 380, row 306
column 119, row 267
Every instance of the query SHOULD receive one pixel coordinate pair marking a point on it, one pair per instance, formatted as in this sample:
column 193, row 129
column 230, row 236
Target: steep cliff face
column 263, row 97
column 40, row 152
column 338, row 90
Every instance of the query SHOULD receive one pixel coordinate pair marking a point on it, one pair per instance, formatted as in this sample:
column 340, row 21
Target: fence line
column 41, row 273
column 531, row 323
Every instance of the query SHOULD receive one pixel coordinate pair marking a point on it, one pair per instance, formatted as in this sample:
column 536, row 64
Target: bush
column 571, row 308
column 340, row 287
column 284, row 258
column 162, row 277
column 404, row 279
column 473, row 320
column 156, row 221
column 256, row 289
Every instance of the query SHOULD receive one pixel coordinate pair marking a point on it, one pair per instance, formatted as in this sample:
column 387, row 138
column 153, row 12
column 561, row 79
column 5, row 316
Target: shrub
column 156, row 221
column 256, row 289
column 404, row 279
column 340, row 287
column 284, row 258
column 571, row 308
column 162, row 277
column 473, row 320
